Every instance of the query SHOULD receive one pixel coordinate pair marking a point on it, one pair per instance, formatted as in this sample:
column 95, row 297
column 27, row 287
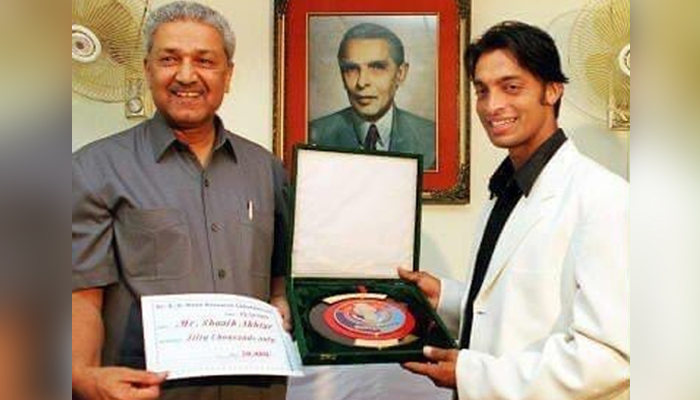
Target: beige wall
column 447, row 230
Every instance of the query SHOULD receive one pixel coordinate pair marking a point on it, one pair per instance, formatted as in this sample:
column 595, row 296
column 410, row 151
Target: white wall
column 447, row 230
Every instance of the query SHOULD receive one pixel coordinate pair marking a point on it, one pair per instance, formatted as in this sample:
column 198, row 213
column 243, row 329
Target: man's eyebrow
column 509, row 78
column 173, row 50
column 378, row 63
column 503, row 79
column 348, row 64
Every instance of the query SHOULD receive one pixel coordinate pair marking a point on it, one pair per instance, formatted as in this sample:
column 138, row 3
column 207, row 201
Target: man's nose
column 494, row 101
column 185, row 73
column 362, row 77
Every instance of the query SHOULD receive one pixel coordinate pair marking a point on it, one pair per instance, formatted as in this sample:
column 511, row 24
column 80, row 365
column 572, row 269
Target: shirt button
column 221, row 273
column 215, row 227
column 206, row 182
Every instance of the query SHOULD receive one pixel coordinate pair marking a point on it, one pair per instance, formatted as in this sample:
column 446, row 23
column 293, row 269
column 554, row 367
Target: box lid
column 356, row 215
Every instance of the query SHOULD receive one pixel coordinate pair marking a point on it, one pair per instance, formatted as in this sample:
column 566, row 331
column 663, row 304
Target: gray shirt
column 148, row 219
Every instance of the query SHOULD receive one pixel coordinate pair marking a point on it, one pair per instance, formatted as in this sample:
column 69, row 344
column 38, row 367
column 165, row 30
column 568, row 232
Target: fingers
column 417, row 276
column 419, row 368
column 122, row 383
column 144, row 385
column 436, row 354
column 144, row 378
column 442, row 371
column 286, row 324
column 428, row 284
column 407, row 275
column 282, row 306
column 145, row 393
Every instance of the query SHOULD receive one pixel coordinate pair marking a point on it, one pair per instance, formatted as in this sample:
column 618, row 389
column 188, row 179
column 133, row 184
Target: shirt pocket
column 256, row 241
column 154, row 244
column 252, row 215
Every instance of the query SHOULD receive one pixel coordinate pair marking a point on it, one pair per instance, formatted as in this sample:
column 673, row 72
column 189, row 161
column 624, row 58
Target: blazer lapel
column 528, row 212
column 351, row 137
column 480, row 227
column 402, row 134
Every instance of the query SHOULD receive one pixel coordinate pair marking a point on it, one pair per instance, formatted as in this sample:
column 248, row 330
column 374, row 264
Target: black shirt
column 508, row 185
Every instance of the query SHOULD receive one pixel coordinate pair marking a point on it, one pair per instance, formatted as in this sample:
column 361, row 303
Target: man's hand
column 280, row 302
column 428, row 284
column 278, row 298
column 441, row 368
column 116, row 383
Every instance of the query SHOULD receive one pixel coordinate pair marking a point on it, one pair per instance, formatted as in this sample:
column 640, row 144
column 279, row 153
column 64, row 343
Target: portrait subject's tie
column 371, row 138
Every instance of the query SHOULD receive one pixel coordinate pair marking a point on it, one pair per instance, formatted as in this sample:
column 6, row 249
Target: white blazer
column 552, row 318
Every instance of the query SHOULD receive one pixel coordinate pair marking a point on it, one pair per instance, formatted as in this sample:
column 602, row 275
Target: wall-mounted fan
column 107, row 52
column 595, row 46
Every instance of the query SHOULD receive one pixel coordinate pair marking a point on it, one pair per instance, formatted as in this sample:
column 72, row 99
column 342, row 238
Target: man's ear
column 402, row 73
column 147, row 70
column 229, row 75
column 553, row 92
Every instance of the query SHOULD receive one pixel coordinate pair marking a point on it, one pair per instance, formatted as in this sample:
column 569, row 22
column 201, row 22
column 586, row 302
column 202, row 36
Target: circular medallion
column 364, row 322
column 369, row 319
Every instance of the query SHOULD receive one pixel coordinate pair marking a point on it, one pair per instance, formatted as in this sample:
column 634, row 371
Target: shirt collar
column 525, row 177
column 384, row 125
column 162, row 137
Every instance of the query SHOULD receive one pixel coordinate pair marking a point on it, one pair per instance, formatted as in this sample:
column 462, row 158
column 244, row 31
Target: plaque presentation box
column 356, row 218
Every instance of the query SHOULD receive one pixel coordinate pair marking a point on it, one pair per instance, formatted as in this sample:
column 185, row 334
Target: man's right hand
column 117, row 383
column 428, row 284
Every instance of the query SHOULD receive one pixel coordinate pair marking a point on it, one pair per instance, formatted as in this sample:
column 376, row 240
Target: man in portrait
column 372, row 66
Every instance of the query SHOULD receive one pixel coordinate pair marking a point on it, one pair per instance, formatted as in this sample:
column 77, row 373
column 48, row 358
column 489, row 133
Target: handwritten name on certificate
column 196, row 335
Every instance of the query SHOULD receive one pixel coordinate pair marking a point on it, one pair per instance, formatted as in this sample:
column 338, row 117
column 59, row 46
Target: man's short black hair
column 368, row 30
column 533, row 48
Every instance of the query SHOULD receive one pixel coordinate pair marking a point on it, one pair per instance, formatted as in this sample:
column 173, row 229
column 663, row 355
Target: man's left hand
column 278, row 298
column 440, row 368
column 280, row 302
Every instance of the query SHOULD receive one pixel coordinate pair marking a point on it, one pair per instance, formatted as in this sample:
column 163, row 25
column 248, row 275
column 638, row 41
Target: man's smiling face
column 188, row 72
column 514, row 106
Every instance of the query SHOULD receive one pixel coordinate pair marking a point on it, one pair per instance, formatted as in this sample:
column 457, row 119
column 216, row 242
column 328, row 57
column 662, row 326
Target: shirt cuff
column 449, row 304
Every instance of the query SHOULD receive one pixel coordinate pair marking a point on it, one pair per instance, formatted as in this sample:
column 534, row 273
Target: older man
column 176, row 204
column 372, row 65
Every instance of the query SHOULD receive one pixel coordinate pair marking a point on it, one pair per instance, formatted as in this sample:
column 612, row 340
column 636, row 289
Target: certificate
column 197, row 335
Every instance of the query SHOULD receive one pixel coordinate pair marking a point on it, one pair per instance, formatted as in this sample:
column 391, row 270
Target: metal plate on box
column 364, row 320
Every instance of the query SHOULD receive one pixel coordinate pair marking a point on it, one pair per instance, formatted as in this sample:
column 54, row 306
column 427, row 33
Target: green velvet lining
column 316, row 349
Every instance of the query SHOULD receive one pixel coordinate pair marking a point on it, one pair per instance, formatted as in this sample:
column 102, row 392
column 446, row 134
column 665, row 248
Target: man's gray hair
column 189, row 11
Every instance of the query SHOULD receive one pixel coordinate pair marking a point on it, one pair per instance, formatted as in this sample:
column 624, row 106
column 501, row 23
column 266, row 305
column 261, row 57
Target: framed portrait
column 377, row 75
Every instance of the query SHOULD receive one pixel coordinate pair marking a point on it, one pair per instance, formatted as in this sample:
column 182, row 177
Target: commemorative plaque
column 356, row 218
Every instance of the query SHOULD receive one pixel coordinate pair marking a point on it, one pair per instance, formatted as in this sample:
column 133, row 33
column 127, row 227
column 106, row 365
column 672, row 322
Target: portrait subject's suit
column 553, row 313
column 409, row 133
